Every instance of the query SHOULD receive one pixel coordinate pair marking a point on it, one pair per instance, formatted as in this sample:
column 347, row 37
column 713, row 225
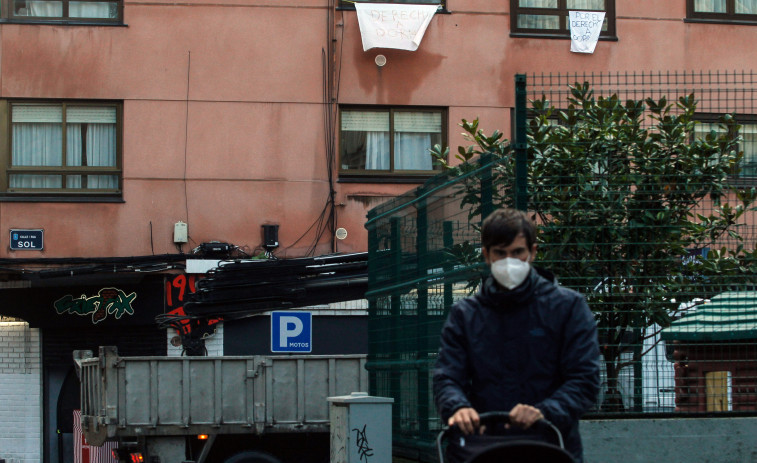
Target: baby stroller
column 501, row 446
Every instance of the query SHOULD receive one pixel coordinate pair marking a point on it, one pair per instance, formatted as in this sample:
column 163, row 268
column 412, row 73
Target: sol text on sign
column 27, row 240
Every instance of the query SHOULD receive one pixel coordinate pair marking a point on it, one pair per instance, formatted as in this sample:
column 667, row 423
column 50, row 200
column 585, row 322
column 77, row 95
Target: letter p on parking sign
column 291, row 331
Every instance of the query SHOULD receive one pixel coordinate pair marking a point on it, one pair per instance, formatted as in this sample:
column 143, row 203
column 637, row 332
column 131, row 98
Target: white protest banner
column 585, row 27
column 394, row 25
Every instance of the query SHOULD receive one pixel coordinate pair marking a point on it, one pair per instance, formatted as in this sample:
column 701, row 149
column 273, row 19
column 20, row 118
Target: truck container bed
column 172, row 396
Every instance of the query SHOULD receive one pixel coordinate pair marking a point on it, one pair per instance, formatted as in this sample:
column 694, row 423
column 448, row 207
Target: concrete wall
column 20, row 393
column 672, row 440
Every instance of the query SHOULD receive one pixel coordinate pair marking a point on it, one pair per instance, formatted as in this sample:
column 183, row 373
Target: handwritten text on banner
column 585, row 27
column 385, row 25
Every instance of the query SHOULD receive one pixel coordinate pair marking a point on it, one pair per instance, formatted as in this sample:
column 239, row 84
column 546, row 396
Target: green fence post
column 396, row 269
column 422, row 314
column 521, row 143
column 638, row 390
column 487, row 185
column 395, row 351
column 448, row 241
column 373, row 245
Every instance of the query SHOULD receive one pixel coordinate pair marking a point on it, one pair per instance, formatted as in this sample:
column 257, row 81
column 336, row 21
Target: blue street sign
column 291, row 331
column 27, row 240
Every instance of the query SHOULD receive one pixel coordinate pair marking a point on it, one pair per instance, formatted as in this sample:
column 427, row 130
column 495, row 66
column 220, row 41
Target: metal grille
column 643, row 195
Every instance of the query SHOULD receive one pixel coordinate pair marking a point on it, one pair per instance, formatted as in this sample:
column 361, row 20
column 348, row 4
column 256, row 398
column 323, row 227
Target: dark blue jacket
column 536, row 345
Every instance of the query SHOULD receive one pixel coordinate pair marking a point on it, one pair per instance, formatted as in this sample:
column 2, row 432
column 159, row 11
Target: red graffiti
column 177, row 289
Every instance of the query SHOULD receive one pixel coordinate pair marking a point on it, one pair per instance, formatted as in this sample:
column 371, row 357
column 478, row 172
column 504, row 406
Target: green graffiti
column 111, row 301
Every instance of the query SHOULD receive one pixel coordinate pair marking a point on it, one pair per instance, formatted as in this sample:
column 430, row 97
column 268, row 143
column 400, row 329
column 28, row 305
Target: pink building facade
column 219, row 110
column 121, row 119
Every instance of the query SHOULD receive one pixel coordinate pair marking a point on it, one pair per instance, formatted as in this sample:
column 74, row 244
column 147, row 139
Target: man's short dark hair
column 504, row 225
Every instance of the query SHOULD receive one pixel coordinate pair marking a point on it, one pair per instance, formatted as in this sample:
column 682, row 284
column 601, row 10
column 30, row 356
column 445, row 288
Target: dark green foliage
column 624, row 195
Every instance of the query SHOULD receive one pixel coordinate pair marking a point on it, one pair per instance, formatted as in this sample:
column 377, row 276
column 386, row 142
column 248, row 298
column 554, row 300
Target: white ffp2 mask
column 510, row 272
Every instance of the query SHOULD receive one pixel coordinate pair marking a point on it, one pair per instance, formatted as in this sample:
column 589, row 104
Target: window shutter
column 417, row 122
column 595, row 5
column 365, row 121
column 704, row 128
column 750, row 129
column 94, row 115
column 37, row 113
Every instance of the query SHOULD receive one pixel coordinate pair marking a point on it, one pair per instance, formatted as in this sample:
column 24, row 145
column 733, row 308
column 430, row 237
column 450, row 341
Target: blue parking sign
column 291, row 331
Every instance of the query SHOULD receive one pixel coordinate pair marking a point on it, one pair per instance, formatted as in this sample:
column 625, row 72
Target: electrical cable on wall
column 318, row 234
column 327, row 218
column 186, row 137
column 39, row 268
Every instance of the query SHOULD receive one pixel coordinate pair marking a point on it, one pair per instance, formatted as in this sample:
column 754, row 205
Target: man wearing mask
column 522, row 344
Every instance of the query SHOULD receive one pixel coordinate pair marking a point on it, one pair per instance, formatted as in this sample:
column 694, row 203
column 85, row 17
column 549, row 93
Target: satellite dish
column 341, row 233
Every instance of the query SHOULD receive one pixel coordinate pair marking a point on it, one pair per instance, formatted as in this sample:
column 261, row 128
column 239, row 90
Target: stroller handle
column 498, row 417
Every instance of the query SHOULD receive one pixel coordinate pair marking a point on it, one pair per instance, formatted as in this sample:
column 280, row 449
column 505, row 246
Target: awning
column 729, row 316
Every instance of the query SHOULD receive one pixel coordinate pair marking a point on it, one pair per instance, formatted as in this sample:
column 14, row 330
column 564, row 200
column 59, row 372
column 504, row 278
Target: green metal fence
column 641, row 185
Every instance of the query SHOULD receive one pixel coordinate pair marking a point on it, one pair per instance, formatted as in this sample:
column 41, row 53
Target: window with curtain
column 63, row 148
column 68, row 10
column 747, row 169
column 351, row 4
column 550, row 17
column 389, row 140
column 722, row 10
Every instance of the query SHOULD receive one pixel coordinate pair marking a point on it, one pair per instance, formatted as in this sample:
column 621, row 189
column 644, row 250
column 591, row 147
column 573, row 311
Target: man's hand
column 466, row 419
column 524, row 416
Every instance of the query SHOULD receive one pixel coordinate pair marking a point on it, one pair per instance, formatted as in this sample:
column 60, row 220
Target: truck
column 230, row 409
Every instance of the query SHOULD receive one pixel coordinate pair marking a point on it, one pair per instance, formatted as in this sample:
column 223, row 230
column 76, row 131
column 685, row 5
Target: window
column 748, row 143
column 90, row 11
column 722, row 10
column 549, row 18
column 351, row 4
column 61, row 149
column 389, row 140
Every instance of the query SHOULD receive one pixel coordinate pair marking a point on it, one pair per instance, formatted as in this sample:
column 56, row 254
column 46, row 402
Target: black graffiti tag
column 361, row 440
